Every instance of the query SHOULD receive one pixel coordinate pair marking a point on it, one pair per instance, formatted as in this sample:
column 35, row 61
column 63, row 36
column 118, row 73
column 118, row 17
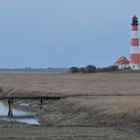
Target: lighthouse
column 134, row 53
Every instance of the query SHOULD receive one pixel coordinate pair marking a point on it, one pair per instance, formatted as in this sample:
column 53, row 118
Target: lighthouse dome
column 135, row 20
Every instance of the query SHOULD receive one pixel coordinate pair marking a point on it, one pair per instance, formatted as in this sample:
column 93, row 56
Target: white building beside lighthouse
column 122, row 63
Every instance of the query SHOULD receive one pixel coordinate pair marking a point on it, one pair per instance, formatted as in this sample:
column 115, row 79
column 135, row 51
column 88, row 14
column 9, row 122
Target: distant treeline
column 93, row 69
column 28, row 69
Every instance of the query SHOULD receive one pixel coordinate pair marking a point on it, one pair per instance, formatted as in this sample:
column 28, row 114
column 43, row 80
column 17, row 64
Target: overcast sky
column 65, row 33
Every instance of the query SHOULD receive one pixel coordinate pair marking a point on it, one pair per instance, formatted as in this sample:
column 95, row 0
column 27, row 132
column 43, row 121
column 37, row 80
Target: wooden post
column 10, row 112
column 41, row 104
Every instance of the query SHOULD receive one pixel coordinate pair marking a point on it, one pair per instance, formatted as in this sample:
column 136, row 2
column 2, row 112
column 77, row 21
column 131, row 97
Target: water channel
column 19, row 115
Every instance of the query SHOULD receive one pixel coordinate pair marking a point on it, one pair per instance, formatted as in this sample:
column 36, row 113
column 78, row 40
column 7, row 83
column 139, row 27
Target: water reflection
column 19, row 115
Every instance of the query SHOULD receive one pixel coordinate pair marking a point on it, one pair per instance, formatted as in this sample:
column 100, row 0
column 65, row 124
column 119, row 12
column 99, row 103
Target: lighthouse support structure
column 134, row 53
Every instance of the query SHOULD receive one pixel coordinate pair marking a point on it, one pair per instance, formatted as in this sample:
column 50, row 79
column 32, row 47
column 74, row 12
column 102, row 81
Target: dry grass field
column 70, row 84
column 104, row 105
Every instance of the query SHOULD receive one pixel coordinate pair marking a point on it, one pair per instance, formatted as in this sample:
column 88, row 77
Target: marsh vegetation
column 104, row 105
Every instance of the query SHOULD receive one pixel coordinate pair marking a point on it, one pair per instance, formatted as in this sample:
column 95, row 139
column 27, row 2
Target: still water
column 19, row 115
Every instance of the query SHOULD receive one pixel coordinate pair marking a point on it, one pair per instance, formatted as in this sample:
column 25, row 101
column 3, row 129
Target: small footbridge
column 41, row 99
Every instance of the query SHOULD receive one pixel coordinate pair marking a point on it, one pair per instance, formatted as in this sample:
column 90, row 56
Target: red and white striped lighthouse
column 134, row 54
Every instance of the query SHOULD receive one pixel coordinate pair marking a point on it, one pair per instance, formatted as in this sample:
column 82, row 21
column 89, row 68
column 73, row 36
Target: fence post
column 10, row 111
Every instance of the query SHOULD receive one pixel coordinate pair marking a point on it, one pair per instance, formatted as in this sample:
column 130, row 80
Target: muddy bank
column 71, row 119
column 82, row 117
column 84, row 112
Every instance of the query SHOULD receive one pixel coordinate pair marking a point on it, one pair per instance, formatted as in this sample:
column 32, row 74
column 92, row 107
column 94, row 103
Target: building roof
column 122, row 61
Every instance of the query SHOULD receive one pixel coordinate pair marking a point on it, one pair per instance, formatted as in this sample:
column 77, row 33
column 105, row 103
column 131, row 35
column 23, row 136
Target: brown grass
column 70, row 84
column 82, row 108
